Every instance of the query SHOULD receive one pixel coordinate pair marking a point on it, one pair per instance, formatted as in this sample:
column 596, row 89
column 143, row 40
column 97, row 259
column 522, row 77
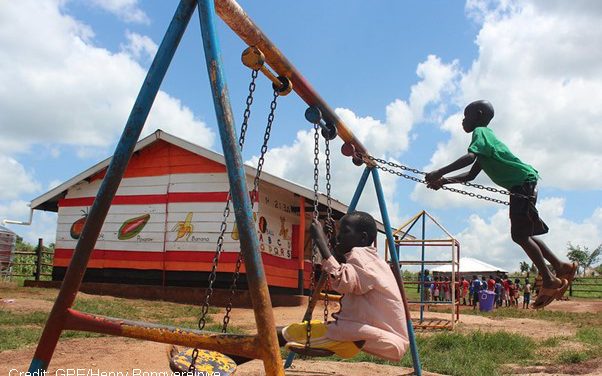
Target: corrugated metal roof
column 6, row 230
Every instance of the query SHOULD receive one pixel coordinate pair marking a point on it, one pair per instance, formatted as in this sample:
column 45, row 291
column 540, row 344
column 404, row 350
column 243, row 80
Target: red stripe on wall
column 197, row 196
column 117, row 200
column 190, row 256
column 151, row 199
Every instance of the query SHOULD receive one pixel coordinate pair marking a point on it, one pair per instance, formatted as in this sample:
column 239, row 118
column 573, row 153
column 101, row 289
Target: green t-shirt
column 503, row 167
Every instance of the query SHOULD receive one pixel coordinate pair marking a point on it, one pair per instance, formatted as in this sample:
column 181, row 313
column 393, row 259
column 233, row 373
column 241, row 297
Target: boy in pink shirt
column 372, row 317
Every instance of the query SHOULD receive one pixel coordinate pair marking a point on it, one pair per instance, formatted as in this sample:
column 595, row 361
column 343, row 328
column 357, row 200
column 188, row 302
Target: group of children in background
column 508, row 292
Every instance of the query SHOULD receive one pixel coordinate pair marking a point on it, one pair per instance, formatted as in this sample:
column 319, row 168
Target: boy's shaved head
column 365, row 223
column 482, row 111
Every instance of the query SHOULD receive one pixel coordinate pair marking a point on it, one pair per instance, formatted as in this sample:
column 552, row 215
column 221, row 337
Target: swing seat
column 309, row 351
column 207, row 363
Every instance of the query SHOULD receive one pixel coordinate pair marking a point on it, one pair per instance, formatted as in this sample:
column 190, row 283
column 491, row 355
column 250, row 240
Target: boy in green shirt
column 489, row 154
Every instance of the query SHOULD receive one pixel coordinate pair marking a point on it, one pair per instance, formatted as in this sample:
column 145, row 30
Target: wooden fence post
column 39, row 249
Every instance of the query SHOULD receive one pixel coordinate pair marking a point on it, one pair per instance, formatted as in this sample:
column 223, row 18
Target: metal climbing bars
column 438, row 245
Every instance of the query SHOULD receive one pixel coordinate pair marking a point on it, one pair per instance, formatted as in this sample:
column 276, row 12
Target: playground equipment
column 450, row 243
column 264, row 344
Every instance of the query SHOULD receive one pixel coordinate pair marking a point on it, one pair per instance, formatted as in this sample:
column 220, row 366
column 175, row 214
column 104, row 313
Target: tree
column 583, row 256
column 593, row 258
column 524, row 267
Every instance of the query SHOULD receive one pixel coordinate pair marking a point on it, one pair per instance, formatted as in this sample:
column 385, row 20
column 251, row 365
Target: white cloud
column 538, row 64
column 140, row 47
column 127, row 10
column 15, row 179
column 489, row 238
column 61, row 89
column 436, row 79
column 383, row 139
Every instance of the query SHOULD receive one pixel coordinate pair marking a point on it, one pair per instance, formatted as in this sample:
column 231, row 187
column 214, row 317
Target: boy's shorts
column 524, row 217
column 296, row 336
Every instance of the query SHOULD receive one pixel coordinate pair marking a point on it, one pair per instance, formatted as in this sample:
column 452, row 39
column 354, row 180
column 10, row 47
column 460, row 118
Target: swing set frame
column 264, row 344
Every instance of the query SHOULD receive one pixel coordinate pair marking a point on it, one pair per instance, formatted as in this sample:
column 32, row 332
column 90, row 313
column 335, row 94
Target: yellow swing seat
column 207, row 363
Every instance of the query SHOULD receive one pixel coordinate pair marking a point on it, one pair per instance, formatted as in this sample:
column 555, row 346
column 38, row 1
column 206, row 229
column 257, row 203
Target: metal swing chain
column 226, row 212
column 254, row 199
column 381, row 162
column 329, row 220
column 224, row 225
column 316, row 215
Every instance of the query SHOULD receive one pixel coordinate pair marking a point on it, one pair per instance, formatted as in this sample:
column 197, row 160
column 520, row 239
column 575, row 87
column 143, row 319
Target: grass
column 20, row 329
column 587, row 287
column 572, row 357
column 474, row 354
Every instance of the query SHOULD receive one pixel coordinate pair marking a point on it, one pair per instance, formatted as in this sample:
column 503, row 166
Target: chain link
column 329, row 220
column 226, row 213
column 315, row 215
column 192, row 366
column 381, row 162
column 255, row 201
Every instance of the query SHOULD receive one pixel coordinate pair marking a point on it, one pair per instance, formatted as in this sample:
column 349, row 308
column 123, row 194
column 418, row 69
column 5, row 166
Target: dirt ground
column 122, row 354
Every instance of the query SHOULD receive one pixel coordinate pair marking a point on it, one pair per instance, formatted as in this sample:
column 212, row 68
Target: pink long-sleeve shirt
column 372, row 309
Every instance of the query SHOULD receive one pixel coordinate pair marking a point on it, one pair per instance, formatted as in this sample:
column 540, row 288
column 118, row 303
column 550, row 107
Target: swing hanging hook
column 253, row 58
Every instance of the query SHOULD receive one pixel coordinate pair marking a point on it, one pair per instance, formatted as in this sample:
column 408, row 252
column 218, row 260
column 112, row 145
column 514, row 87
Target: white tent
column 472, row 266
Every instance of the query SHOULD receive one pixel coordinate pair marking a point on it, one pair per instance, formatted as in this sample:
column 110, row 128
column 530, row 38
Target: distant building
column 469, row 266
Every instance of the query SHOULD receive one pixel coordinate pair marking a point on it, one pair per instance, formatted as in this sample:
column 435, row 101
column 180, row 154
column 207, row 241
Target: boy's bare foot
column 549, row 293
column 568, row 272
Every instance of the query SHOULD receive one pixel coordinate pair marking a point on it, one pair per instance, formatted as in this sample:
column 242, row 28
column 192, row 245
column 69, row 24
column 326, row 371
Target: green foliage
column 524, row 267
column 583, row 256
column 26, row 264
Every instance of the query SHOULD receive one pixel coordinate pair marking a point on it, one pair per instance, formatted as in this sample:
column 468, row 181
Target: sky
column 397, row 73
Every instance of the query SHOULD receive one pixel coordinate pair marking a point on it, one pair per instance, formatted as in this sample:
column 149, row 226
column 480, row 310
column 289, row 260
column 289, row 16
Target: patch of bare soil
column 592, row 367
column 25, row 304
column 112, row 354
column 576, row 306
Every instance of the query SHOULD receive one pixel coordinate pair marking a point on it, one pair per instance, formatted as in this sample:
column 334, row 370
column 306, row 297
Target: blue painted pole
column 359, row 190
column 108, row 188
column 249, row 244
column 422, row 268
column 395, row 268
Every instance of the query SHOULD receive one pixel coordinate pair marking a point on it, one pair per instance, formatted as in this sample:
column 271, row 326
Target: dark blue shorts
column 524, row 217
